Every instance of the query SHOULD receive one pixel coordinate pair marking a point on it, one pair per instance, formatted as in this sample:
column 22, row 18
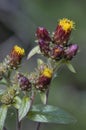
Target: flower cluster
column 39, row 79
column 57, row 45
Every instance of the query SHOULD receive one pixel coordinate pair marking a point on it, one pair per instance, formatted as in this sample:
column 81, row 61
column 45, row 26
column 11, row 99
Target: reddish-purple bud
column 43, row 83
column 57, row 52
column 24, row 82
column 43, row 80
column 42, row 34
column 15, row 56
column 44, row 47
column 63, row 31
column 61, row 36
column 71, row 51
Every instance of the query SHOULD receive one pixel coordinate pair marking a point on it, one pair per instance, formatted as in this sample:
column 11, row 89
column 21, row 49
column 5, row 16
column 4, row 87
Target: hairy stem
column 19, row 126
column 4, row 128
column 18, row 123
column 38, row 126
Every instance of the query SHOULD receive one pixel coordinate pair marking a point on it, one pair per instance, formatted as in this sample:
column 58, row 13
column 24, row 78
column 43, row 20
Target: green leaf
column 3, row 81
column 40, row 62
column 17, row 102
column 24, row 108
column 2, row 91
column 50, row 114
column 43, row 97
column 55, row 75
column 35, row 50
column 3, row 114
column 70, row 67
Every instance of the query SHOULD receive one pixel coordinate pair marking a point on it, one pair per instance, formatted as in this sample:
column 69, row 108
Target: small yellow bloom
column 19, row 50
column 67, row 24
column 47, row 72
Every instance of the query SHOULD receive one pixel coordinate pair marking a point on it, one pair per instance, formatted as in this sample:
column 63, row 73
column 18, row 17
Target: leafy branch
column 21, row 88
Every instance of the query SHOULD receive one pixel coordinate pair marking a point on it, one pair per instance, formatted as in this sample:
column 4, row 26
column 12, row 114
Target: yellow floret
column 19, row 50
column 47, row 72
column 67, row 24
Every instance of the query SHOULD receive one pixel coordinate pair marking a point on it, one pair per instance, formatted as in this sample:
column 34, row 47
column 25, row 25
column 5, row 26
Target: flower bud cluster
column 39, row 79
column 8, row 96
column 57, row 46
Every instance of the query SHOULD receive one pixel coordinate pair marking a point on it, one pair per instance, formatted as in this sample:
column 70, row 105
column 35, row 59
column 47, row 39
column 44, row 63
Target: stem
column 18, row 123
column 47, row 94
column 32, row 98
column 39, row 124
column 19, row 126
column 4, row 128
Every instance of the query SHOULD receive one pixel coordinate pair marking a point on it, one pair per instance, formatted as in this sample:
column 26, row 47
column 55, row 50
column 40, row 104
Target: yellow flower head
column 19, row 50
column 66, row 24
column 47, row 72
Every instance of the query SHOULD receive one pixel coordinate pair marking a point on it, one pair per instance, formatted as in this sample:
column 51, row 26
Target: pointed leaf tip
column 35, row 50
column 70, row 67
column 24, row 108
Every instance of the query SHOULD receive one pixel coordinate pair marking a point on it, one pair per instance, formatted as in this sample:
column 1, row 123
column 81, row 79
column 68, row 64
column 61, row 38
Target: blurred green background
column 18, row 22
